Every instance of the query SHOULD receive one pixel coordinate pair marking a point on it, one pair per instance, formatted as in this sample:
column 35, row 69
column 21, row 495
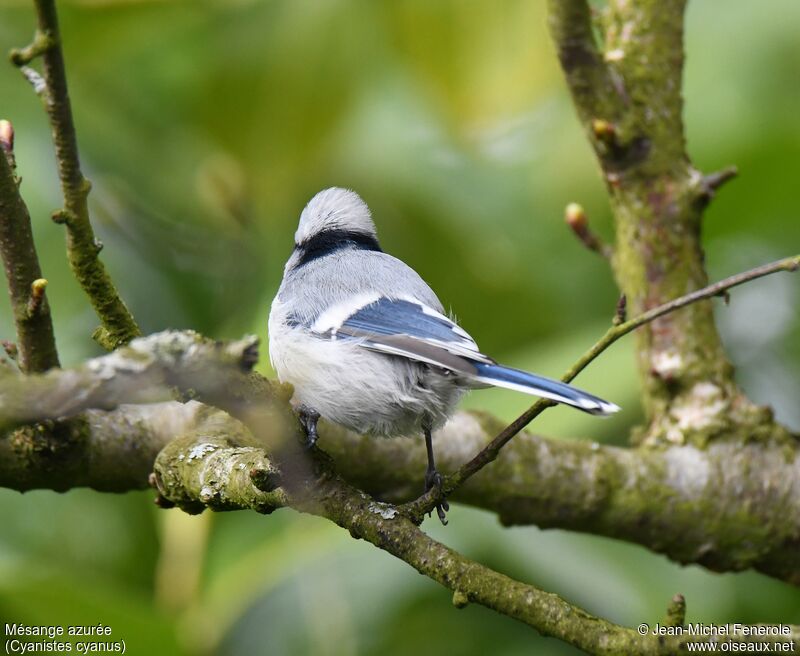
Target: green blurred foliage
column 205, row 127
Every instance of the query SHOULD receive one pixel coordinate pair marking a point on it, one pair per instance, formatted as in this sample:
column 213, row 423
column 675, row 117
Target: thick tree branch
column 36, row 343
column 106, row 451
column 118, row 326
column 632, row 89
column 143, row 372
column 210, row 471
column 683, row 501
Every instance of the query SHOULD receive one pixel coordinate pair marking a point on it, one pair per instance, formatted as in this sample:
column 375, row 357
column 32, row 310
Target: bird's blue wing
column 411, row 329
column 404, row 327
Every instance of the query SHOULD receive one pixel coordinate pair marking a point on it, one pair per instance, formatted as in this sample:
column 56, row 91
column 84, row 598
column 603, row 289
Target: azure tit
column 365, row 342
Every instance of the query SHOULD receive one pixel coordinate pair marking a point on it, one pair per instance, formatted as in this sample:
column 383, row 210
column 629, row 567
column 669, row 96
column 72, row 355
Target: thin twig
column 36, row 48
column 35, row 339
column 417, row 509
column 575, row 217
column 118, row 326
column 713, row 181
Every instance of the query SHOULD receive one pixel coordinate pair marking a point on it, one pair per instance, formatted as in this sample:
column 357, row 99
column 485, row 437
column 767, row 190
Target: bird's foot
column 433, row 480
column 308, row 420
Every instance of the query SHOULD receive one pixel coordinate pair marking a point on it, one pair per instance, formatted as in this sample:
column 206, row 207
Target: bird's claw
column 433, row 479
column 308, row 420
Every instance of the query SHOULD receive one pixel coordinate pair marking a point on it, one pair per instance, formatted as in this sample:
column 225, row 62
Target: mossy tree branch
column 143, row 372
column 628, row 96
column 682, row 501
column 118, row 325
column 189, row 471
column 567, row 485
column 108, row 451
column 36, row 342
column 196, row 474
column 212, row 467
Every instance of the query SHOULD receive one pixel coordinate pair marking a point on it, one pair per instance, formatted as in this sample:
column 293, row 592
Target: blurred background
column 206, row 126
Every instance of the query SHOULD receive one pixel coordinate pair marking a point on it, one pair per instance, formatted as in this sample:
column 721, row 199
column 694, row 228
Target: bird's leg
column 308, row 420
column 433, row 479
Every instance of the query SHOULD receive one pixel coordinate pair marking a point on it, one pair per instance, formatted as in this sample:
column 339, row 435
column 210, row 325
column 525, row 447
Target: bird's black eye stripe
column 330, row 241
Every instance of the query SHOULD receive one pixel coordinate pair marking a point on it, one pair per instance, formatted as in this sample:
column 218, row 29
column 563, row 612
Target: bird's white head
column 334, row 209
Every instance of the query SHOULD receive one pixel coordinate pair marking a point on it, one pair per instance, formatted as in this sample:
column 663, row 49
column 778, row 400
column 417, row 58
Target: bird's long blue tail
column 522, row 381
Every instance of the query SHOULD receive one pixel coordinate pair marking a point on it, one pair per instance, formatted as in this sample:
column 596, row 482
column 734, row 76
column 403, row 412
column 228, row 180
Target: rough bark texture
column 210, row 468
column 106, row 451
column 628, row 96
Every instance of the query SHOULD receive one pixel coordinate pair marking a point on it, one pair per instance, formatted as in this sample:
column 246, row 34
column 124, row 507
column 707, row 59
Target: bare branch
column 118, row 326
column 35, row 339
column 143, row 372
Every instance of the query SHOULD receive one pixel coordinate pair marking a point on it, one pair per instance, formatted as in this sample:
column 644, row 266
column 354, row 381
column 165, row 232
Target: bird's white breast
column 362, row 390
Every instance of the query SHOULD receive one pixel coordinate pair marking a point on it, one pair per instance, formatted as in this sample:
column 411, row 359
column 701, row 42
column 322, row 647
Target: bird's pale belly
column 364, row 391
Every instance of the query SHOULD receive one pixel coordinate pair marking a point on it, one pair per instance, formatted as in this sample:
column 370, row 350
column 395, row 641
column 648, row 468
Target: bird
column 366, row 343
